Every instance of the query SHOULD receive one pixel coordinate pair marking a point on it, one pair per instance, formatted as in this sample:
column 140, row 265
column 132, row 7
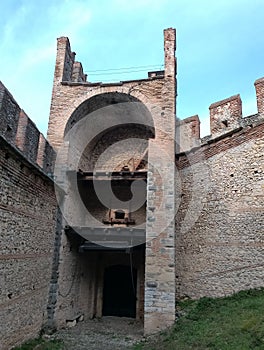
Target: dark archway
column 119, row 294
column 107, row 99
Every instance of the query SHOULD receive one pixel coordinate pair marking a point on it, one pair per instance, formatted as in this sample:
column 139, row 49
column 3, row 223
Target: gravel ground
column 108, row 333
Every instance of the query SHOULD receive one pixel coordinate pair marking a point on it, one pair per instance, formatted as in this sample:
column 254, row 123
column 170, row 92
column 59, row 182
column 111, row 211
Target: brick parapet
column 225, row 119
column 225, row 114
column 46, row 155
column 9, row 115
column 27, row 138
column 187, row 133
column 21, row 133
column 77, row 73
column 213, row 147
column 64, row 60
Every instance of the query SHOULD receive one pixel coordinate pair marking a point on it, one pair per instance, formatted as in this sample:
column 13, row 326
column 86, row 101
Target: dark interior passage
column 119, row 295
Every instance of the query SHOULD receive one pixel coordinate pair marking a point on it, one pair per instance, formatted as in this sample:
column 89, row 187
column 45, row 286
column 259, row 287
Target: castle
column 125, row 209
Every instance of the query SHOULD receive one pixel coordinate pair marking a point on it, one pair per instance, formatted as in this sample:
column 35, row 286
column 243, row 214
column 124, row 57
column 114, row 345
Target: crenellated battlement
column 66, row 69
column 21, row 133
column 225, row 118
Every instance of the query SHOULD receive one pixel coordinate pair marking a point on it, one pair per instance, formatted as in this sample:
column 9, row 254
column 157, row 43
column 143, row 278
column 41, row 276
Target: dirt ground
column 107, row 333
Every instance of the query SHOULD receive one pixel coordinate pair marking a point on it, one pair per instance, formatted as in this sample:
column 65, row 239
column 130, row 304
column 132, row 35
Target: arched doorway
column 119, row 293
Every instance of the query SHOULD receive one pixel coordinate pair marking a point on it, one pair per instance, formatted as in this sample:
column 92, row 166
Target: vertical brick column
column 160, row 230
column 64, row 60
column 259, row 86
column 63, row 72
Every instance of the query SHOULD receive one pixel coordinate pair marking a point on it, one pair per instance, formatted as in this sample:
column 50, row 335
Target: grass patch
column 235, row 322
column 41, row 344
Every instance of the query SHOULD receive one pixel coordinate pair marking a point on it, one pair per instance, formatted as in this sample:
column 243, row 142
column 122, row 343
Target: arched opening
column 118, row 127
column 106, row 99
column 115, row 156
column 119, row 293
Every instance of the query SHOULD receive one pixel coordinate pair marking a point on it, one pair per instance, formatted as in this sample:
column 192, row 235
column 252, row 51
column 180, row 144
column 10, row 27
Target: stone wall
column 219, row 224
column 219, row 197
column 27, row 222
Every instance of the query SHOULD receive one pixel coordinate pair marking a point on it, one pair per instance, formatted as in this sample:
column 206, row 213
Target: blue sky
column 220, row 47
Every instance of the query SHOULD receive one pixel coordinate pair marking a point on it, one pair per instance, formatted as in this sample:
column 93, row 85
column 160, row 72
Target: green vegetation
column 230, row 323
column 41, row 344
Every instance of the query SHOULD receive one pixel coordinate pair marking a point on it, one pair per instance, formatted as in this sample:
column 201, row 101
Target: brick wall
column 27, row 137
column 72, row 100
column 27, row 213
column 259, row 86
column 27, row 224
column 222, row 251
column 9, row 114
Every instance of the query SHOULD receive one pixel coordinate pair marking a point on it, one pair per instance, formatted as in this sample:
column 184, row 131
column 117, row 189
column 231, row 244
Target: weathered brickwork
column 123, row 146
column 46, row 155
column 27, row 215
column 225, row 115
column 9, row 114
column 222, row 252
column 27, row 209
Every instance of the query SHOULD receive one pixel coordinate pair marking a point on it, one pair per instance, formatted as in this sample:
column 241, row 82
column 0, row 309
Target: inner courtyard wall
column 219, row 196
column 27, row 221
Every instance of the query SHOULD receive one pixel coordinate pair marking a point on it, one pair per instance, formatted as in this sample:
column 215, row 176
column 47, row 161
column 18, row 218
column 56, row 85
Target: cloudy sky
column 220, row 47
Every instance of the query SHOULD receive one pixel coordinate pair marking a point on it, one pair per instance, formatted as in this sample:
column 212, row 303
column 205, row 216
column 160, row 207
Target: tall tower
column 116, row 156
